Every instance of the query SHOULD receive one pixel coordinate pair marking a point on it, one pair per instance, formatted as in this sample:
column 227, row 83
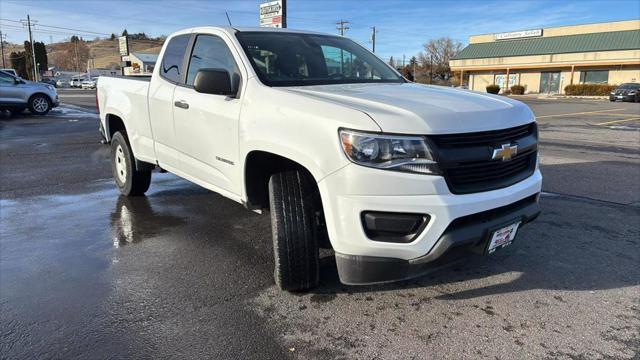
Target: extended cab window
column 173, row 56
column 211, row 52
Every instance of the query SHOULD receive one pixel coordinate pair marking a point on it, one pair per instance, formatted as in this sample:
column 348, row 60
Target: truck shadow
column 575, row 245
column 564, row 249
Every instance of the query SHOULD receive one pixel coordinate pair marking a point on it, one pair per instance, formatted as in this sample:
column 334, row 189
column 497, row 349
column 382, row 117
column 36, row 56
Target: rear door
column 207, row 125
column 172, row 71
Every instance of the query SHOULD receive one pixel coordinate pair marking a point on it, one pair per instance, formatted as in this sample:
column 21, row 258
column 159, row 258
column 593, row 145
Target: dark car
column 49, row 81
column 626, row 92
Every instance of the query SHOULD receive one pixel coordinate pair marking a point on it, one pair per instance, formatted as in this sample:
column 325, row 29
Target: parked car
column 49, row 81
column 89, row 83
column 395, row 176
column 626, row 92
column 76, row 82
column 10, row 71
column 62, row 83
column 18, row 94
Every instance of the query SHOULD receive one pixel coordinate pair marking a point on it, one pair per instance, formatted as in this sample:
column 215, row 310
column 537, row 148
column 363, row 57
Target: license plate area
column 502, row 237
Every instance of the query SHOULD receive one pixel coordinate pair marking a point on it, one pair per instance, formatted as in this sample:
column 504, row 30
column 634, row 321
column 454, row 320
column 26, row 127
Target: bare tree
column 435, row 58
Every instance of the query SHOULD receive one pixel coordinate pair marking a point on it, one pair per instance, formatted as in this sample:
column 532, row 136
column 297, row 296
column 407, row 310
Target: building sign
column 273, row 14
column 518, row 34
column 123, row 44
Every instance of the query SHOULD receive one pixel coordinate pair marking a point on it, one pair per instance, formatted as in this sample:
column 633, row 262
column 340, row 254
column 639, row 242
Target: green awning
column 606, row 41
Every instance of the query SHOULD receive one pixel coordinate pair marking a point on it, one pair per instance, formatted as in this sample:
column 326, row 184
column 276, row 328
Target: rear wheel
column 130, row 182
column 295, row 234
column 39, row 104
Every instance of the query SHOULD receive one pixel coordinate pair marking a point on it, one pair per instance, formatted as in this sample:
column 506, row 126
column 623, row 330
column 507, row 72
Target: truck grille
column 465, row 159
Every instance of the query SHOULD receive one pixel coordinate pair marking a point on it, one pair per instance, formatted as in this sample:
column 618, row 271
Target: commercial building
column 141, row 63
column 547, row 60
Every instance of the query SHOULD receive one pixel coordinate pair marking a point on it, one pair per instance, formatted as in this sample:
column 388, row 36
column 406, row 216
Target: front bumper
column 621, row 97
column 354, row 189
column 465, row 236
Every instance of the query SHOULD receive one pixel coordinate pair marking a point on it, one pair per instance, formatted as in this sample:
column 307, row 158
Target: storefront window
column 594, row 77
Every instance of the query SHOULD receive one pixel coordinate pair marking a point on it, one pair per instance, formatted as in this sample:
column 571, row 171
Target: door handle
column 181, row 104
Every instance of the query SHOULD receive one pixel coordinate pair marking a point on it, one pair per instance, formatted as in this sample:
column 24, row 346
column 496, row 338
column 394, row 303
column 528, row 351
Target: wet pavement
column 183, row 272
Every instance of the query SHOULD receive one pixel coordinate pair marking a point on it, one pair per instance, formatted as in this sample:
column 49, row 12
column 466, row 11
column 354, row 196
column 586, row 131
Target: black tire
column 295, row 234
column 39, row 104
column 130, row 182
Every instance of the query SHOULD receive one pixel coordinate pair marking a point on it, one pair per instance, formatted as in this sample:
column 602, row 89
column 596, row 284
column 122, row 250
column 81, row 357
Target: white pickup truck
column 396, row 177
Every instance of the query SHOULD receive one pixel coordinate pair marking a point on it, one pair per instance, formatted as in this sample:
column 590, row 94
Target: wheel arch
column 114, row 123
column 259, row 165
column 40, row 93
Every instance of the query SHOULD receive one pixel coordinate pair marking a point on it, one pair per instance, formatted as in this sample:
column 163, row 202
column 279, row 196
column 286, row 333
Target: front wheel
column 295, row 234
column 39, row 104
column 130, row 181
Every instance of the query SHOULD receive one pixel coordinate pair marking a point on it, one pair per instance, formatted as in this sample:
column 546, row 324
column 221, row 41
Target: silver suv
column 17, row 94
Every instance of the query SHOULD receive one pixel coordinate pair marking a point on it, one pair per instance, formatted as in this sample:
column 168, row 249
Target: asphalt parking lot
column 185, row 273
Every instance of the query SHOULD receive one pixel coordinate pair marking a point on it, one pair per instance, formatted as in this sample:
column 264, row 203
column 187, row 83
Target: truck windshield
column 292, row 59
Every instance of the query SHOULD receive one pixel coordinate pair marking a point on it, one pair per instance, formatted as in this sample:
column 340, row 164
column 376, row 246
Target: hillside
column 104, row 52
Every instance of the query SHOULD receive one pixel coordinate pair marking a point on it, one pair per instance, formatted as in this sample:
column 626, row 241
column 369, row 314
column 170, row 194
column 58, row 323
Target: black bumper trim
column 462, row 238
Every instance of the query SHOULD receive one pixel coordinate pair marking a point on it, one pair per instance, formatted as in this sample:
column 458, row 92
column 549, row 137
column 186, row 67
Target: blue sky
column 403, row 25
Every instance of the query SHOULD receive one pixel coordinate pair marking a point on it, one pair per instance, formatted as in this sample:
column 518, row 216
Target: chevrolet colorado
column 396, row 177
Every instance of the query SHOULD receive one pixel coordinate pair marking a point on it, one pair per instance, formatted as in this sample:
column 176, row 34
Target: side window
column 173, row 56
column 211, row 52
column 5, row 79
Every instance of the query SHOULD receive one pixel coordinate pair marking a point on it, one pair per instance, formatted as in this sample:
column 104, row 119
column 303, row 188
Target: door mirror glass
column 214, row 81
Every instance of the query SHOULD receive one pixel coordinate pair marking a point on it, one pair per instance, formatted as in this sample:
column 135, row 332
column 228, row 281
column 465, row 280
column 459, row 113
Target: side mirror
column 214, row 81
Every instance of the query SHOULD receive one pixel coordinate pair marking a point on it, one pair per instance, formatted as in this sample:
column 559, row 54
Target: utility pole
column 33, row 52
column 76, row 46
column 342, row 26
column 403, row 57
column 373, row 38
column 2, row 46
column 284, row 14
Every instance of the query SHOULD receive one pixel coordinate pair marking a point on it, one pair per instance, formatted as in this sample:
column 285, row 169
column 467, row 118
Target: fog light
column 393, row 227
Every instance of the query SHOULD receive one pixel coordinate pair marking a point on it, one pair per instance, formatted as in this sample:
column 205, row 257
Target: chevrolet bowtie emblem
column 505, row 152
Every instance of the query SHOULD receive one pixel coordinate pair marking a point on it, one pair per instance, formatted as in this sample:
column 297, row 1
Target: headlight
column 631, row 93
column 391, row 152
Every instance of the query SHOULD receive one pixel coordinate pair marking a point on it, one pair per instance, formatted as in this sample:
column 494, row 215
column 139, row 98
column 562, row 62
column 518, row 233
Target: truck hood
column 423, row 109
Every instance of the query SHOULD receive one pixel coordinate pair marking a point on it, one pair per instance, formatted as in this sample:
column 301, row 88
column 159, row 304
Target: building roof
column 146, row 57
column 606, row 41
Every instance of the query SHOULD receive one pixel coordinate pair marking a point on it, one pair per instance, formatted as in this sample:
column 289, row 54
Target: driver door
column 206, row 125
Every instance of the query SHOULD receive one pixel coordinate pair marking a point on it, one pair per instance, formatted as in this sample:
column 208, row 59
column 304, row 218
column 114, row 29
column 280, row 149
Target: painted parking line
column 615, row 114
column 63, row 96
column 618, row 121
column 579, row 113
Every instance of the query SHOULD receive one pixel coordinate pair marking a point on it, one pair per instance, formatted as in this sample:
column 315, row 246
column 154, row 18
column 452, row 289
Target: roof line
column 560, row 26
